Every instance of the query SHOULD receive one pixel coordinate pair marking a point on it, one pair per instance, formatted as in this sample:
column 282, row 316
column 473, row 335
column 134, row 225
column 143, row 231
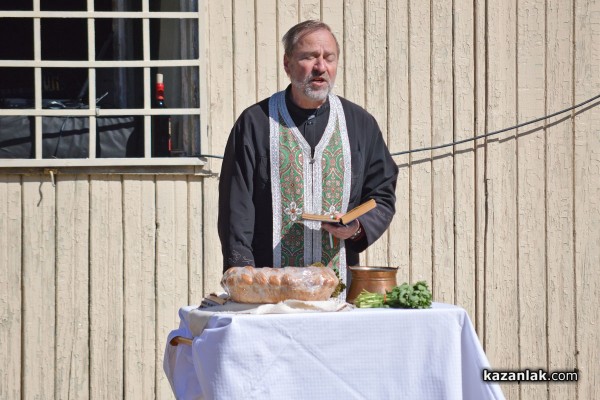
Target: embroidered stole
column 301, row 183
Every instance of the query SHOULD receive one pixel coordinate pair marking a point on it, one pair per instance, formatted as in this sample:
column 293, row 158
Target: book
column 346, row 218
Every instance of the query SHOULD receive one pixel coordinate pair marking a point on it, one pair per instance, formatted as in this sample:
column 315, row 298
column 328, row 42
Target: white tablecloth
column 360, row 354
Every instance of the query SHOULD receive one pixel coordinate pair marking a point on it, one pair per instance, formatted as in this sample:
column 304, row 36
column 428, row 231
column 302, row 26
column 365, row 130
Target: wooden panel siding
column 586, row 195
column 501, row 259
column 531, row 213
column 39, row 306
column 72, row 287
column 464, row 156
column 94, row 262
column 11, row 277
column 560, row 275
column 398, row 118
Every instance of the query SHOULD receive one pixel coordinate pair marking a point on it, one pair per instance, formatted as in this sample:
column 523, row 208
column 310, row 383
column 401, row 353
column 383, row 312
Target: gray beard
column 316, row 95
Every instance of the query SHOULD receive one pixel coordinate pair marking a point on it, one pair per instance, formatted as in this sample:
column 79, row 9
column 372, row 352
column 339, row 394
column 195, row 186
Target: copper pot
column 372, row 279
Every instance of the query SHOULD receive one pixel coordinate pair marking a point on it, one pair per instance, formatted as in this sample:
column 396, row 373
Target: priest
column 304, row 150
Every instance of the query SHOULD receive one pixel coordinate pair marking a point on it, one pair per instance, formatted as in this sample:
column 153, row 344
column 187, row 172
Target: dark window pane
column 185, row 136
column 16, row 90
column 175, row 136
column 65, row 137
column 64, row 39
column 119, row 137
column 17, row 136
column 174, row 39
column 120, row 5
column 64, row 88
column 123, row 87
column 118, row 39
column 173, row 5
column 16, row 5
column 21, row 46
column 63, row 5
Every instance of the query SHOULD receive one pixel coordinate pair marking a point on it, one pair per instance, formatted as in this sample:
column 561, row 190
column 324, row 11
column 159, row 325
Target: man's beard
column 313, row 94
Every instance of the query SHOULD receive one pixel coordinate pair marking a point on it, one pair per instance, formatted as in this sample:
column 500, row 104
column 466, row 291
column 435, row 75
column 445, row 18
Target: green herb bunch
column 403, row 296
column 341, row 286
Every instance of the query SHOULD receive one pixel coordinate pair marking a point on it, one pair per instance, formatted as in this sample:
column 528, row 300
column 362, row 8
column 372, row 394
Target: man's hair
column 298, row 31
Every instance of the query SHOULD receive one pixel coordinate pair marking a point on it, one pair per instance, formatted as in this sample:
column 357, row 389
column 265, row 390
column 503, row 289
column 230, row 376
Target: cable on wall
column 441, row 146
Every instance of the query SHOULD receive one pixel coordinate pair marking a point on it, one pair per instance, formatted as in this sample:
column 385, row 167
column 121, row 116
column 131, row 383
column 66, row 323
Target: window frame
column 91, row 65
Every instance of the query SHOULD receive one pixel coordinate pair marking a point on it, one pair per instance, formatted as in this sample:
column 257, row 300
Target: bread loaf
column 272, row 285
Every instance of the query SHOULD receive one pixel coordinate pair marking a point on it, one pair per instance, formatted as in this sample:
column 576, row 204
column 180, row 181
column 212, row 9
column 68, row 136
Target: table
column 358, row 354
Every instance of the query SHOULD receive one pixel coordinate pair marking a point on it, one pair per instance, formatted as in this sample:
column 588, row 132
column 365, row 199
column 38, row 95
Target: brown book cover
column 347, row 217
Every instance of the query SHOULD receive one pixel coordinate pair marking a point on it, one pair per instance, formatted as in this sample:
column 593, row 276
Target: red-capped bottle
column 162, row 123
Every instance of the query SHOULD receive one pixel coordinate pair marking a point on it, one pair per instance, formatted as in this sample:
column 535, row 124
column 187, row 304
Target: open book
column 347, row 217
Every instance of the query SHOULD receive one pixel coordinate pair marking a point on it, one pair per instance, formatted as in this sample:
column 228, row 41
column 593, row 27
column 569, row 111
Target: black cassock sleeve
column 237, row 213
column 374, row 175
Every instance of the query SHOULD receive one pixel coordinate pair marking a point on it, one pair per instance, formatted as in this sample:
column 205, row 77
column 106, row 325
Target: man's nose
column 320, row 65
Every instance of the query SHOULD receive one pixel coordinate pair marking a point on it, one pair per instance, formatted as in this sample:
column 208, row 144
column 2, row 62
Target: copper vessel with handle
column 371, row 279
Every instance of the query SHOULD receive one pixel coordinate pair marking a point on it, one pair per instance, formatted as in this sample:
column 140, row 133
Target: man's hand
column 341, row 231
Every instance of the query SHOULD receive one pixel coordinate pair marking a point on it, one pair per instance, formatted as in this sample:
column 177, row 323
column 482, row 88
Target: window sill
column 175, row 165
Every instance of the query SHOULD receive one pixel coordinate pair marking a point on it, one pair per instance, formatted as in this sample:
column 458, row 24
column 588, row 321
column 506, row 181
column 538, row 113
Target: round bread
column 272, row 285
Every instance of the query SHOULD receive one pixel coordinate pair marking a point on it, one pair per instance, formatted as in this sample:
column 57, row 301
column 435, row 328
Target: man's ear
column 286, row 62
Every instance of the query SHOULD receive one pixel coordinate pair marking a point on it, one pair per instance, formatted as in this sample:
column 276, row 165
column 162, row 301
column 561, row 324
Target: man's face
column 312, row 67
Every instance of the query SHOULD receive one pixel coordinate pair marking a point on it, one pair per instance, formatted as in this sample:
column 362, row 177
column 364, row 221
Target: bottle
column 162, row 123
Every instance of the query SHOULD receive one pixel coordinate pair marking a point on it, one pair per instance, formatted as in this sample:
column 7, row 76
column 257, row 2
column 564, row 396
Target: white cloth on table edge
column 184, row 382
column 201, row 316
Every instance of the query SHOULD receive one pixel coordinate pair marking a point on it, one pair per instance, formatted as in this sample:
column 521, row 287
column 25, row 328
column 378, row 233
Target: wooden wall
column 94, row 269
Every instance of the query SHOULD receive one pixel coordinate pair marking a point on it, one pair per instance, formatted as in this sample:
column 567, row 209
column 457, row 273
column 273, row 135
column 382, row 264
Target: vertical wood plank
column 354, row 57
column 398, row 138
column 559, row 197
column 287, row 16
column 333, row 15
column 139, row 224
column 442, row 166
column 587, row 196
column 10, row 286
column 171, row 263
column 530, row 189
column 309, row 9
column 213, row 259
column 204, row 79
column 376, row 95
column 196, row 245
column 106, row 287
column 220, row 42
column 72, row 287
column 267, row 44
column 501, row 286
column 420, row 136
column 39, row 278
column 464, row 155
column 244, row 56
column 221, row 120
column 354, row 45
column 481, row 125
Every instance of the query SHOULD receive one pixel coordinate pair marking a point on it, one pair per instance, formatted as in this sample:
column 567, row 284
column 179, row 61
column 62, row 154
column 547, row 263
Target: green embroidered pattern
column 292, row 197
column 332, row 188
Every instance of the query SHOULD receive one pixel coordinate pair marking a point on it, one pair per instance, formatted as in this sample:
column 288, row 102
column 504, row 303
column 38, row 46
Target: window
column 79, row 81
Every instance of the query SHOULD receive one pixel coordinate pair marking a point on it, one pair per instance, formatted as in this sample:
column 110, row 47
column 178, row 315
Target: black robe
column 245, row 220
